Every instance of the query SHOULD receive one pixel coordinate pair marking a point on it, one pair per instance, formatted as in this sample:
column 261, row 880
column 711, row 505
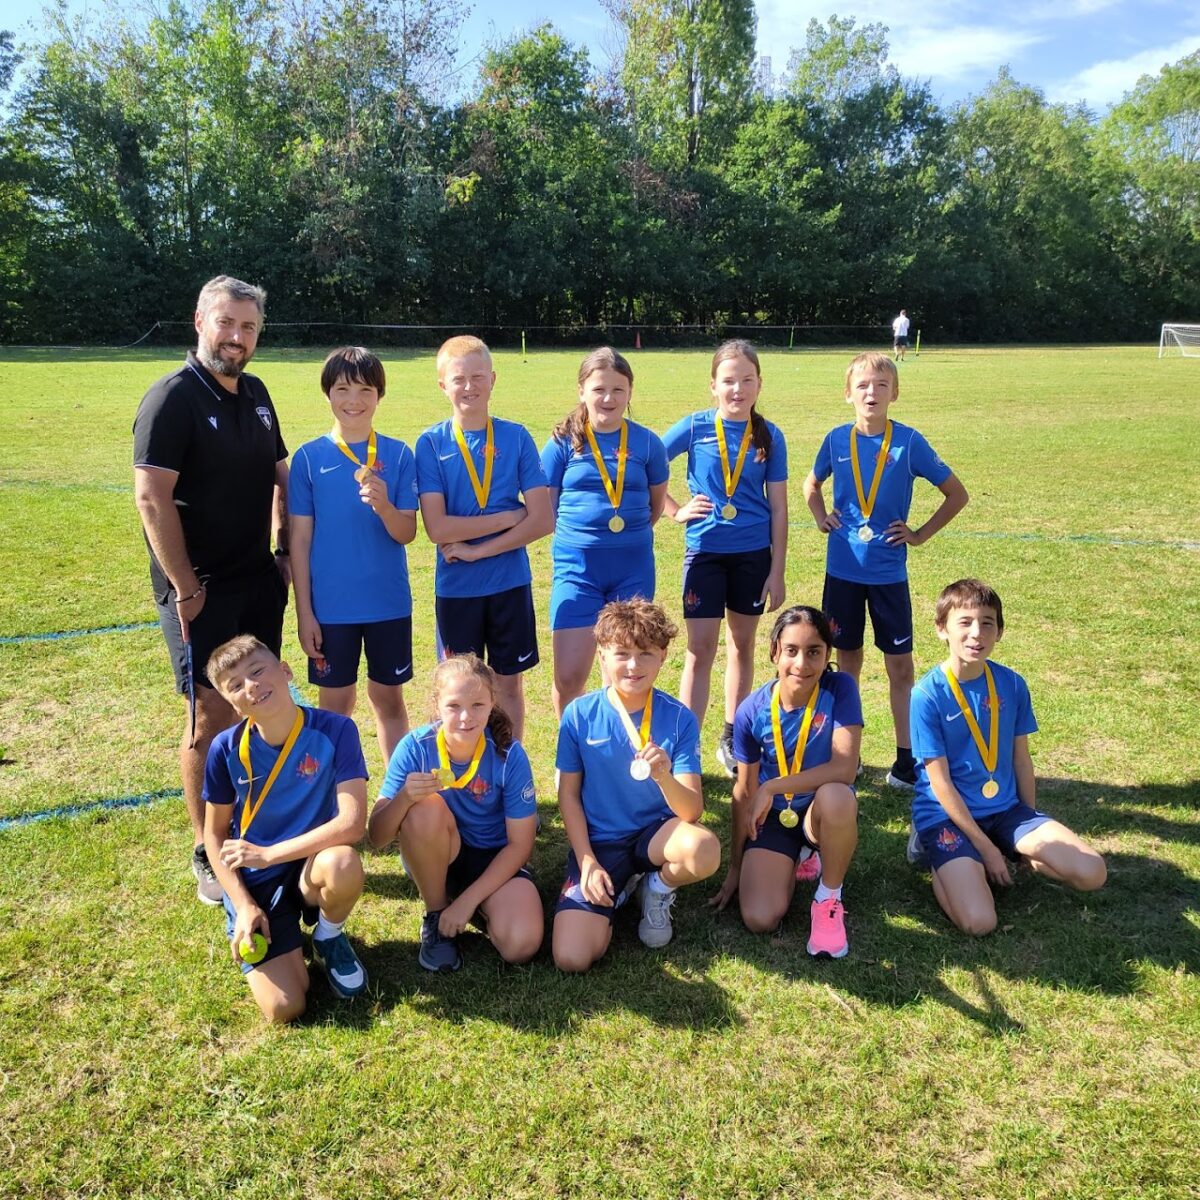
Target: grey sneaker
column 336, row 957
column 208, row 886
column 655, row 926
column 904, row 778
column 725, row 757
column 915, row 852
column 437, row 953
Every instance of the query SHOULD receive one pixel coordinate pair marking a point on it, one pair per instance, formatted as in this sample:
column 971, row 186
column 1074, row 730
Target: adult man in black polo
column 210, row 480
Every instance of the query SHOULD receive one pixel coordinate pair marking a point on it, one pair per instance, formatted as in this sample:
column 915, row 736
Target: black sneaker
column 437, row 953
column 903, row 777
column 208, row 886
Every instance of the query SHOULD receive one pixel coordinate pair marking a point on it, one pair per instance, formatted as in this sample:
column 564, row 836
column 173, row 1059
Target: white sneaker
column 726, row 759
column 915, row 852
column 655, row 928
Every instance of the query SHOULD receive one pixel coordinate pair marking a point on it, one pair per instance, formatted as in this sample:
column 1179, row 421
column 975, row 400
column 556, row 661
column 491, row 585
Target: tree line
column 330, row 152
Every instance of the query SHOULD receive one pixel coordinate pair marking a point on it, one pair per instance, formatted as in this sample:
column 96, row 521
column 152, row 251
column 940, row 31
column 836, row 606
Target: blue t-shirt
column 359, row 571
column 592, row 740
column 910, row 457
column 939, row 730
column 516, row 471
column 838, row 704
column 751, row 528
column 584, row 509
column 304, row 795
column 502, row 787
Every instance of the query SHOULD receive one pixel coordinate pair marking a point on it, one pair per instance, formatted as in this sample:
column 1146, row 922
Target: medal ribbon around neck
column 731, row 477
column 638, row 738
column 991, row 751
column 250, row 808
column 866, row 504
column 617, row 490
column 372, row 442
column 781, row 757
column 482, row 490
column 446, row 771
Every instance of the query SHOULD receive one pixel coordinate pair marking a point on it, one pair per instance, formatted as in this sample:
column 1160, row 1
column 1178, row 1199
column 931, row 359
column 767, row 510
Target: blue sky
column 1074, row 50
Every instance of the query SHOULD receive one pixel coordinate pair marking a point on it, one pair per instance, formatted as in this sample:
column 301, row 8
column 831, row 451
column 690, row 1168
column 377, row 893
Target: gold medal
column 989, row 751
column 866, row 502
column 990, row 790
column 445, row 771
column 613, row 489
column 364, row 468
column 732, row 476
column 865, row 533
column 442, row 778
column 362, row 474
column 788, row 817
column 616, row 522
column 728, row 511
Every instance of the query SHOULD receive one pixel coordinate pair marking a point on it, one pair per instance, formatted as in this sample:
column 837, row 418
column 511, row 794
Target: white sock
column 326, row 928
column 655, row 883
column 826, row 893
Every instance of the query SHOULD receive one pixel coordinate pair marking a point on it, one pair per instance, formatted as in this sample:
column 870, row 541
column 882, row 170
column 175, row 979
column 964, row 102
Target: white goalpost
column 1179, row 339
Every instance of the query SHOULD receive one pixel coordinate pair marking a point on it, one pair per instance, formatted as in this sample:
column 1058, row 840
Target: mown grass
column 1057, row 1057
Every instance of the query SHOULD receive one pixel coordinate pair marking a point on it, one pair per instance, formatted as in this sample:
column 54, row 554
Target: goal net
column 1179, row 339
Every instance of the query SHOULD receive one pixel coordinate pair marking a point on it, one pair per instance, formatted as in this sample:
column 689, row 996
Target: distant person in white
column 900, row 334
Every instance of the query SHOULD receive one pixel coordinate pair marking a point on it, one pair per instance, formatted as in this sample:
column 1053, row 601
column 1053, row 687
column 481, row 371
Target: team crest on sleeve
column 819, row 721
column 264, row 415
column 308, row 767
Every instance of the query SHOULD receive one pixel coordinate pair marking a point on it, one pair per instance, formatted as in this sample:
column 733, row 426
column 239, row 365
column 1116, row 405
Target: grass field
column 1057, row 1057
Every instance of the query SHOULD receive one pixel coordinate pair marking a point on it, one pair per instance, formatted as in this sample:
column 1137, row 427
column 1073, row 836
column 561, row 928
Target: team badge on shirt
column 478, row 787
column 818, row 723
column 264, row 415
column 308, row 767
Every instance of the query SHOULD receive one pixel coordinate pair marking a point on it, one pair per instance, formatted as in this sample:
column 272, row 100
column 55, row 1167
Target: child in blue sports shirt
column 975, row 803
column 459, row 798
column 285, row 794
column 874, row 461
column 483, row 498
column 737, row 519
column 789, row 800
column 608, row 481
column 629, row 791
column 353, row 498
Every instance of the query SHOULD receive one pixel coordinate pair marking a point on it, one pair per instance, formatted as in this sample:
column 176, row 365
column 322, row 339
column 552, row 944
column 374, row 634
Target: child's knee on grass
column 962, row 890
column 280, row 988
column 579, row 940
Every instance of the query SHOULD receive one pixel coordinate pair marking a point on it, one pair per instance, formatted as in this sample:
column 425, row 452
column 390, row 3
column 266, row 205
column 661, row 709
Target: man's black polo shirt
column 224, row 448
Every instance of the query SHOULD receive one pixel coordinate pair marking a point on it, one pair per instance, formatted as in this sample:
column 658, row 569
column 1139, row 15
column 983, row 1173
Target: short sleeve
column 823, row 463
column 406, row 758
column 777, row 465
column 924, row 461
column 568, row 758
column 348, row 760
column 218, row 785
column 520, row 796
column 162, row 431
column 658, row 469
column 554, row 463
column 746, row 747
column 530, row 473
column 847, row 702
column 300, row 493
column 678, row 438
column 404, row 487
column 686, row 758
column 925, row 719
column 1026, row 722
column 429, row 472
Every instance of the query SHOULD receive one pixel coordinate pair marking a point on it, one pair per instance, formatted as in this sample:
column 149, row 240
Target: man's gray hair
column 233, row 289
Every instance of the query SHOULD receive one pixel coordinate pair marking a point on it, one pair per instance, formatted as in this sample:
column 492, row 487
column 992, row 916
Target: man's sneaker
column 915, row 852
column 808, row 870
column 828, row 936
column 725, row 757
column 437, row 953
column 208, row 886
column 346, row 974
column 655, row 926
column 903, row 777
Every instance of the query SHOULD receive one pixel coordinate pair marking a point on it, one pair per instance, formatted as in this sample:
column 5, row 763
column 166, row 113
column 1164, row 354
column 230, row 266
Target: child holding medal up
column 874, row 461
column 608, row 480
column 975, row 803
column 459, row 798
column 629, row 792
column 796, row 740
column 353, row 499
column 736, row 518
column 483, row 499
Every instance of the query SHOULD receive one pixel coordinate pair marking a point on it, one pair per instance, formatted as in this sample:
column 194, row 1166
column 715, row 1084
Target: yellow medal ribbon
column 482, row 490
column 991, row 751
column 638, row 738
column 250, row 808
column 617, row 490
column 446, row 772
column 369, row 465
column 866, row 504
column 781, row 757
column 731, row 477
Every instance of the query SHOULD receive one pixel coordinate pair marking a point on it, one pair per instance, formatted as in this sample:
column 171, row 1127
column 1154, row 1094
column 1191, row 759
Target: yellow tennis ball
column 254, row 951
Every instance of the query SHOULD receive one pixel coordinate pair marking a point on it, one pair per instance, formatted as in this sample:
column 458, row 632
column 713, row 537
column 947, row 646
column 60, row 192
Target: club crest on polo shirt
column 264, row 415
column 479, row 787
column 819, row 722
column 308, row 767
column 987, row 703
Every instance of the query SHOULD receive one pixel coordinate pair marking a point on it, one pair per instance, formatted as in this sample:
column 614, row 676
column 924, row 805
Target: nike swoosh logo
column 524, row 657
column 401, row 670
column 901, row 641
column 598, row 741
column 326, row 470
column 701, row 441
column 243, row 781
column 841, row 459
column 953, row 716
column 447, row 457
column 757, row 603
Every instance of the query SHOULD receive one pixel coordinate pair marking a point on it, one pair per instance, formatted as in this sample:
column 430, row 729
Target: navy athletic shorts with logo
column 388, row 646
column 846, row 604
column 284, row 905
column 501, row 628
column 713, row 583
column 944, row 842
column 622, row 860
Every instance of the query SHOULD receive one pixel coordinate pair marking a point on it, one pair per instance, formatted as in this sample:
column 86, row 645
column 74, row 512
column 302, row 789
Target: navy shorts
column 389, row 653
column 901, row 343
column 713, row 583
column 471, row 862
column 773, row 836
column 622, row 860
column 846, row 604
column 254, row 607
column 945, row 842
column 502, row 628
column 285, row 907
column 586, row 578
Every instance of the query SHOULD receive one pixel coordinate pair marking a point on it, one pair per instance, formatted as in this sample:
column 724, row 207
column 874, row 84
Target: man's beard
column 209, row 357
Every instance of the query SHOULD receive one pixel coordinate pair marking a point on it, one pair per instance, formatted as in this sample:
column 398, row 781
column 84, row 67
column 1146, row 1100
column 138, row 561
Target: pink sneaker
column 808, row 870
column 828, row 936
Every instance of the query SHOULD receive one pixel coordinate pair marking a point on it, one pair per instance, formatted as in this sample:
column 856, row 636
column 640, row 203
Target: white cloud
column 958, row 53
column 1104, row 83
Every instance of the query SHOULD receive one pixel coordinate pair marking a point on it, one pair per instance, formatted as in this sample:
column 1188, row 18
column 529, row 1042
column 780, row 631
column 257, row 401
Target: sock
column 655, row 883
column 904, row 756
column 727, row 733
column 826, row 893
column 326, row 928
